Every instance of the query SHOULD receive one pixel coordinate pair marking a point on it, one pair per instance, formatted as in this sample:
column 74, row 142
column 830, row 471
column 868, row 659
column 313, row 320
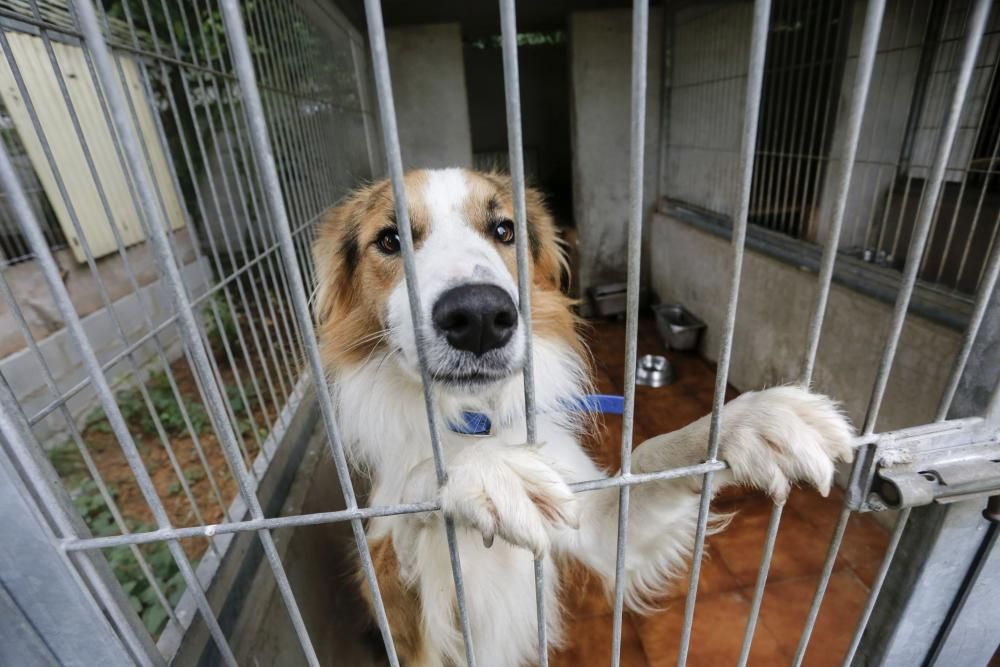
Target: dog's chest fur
column 388, row 436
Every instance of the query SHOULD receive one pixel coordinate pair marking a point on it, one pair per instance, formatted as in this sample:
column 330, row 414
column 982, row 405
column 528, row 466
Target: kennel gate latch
column 924, row 465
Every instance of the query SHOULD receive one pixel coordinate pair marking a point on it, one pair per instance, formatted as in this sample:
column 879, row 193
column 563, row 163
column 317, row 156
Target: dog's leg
column 771, row 440
column 495, row 493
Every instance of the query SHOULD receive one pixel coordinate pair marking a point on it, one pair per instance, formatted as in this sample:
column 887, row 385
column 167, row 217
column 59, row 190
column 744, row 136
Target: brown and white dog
column 498, row 486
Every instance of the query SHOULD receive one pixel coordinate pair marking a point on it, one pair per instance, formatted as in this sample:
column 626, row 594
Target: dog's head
column 464, row 236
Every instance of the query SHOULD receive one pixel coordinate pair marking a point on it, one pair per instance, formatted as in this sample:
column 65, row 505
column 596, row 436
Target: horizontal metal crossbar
column 315, row 518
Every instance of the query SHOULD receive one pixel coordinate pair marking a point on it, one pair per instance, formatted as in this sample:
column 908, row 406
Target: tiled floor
column 730, row 569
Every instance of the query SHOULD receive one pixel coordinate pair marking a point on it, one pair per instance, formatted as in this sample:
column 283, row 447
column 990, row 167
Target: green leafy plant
column 166, row 405
column 66, row 460
column 221, row 328
column 141, row 594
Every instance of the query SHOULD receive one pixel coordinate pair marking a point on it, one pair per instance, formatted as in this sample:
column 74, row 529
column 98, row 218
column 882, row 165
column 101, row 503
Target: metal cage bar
column 637, row 139
column 859, row 96
column 925, row 215
column 216, row 403
column 394, row 160
column 262, row 146
column 512, row 90
column 50, row 269
column 755, row 79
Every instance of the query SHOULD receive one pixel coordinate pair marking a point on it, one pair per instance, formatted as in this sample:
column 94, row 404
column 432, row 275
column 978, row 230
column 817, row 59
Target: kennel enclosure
column 196, row 146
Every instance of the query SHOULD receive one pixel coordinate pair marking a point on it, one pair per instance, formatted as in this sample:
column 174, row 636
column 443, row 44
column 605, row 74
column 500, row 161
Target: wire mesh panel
column 810, row 66
column 202, row 386
column 187, row 151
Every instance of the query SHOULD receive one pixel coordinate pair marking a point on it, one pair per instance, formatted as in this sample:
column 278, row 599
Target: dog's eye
column 503, row 231
column 388, row 241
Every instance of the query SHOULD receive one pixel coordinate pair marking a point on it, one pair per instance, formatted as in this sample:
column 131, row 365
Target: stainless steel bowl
column 652, row 370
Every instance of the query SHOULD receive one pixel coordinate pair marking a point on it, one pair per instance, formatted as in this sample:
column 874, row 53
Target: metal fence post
column 938, row 602
column 48, row 617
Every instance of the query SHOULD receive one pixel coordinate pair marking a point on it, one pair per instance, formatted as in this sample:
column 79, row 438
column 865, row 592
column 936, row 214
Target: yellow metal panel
column 68, row 154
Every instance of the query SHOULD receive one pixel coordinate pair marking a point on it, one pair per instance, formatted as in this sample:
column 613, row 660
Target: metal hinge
column 934, row 463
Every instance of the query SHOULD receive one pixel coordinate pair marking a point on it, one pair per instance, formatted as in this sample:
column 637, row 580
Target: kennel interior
column 173, row 487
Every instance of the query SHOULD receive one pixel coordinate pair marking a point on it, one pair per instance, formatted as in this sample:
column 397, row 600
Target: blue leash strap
column 476, row 423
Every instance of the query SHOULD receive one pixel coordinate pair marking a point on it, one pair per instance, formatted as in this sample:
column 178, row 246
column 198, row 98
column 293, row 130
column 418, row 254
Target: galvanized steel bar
column 986, row 287
column 862, row 82
column 755, row 78
column 240, row 53
column 827, row 105
column 74, row 328
column 215, row 401
column 844, row 171
column 89, row 258
column 261, row 271
column 210, row 178
column 824, row 581
column 512, row 90
column 290, row 324
column 361, row 512
column 17, row 436
column 982, row 122
column 925, row 213
column 637, row 145
column 227, row 347
column 866, row 613
column 394, row 160
column 758, row 591
column 81, row 447
column 168, row 321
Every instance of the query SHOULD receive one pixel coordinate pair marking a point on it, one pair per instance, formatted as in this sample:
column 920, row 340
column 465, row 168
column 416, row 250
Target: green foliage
column 225, row 326
column 141, row 594
column 138, row 417
column 67, row 461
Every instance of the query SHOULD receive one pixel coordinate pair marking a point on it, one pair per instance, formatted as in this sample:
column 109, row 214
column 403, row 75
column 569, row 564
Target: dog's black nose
column 475, row 318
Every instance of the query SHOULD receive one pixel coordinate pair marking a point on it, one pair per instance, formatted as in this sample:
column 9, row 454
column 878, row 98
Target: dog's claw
column 488, row 540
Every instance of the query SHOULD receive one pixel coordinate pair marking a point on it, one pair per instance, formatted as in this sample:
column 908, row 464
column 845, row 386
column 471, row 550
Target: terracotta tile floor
column 732, row 557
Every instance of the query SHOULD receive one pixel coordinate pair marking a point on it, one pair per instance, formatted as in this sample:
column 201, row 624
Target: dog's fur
column 498, row 485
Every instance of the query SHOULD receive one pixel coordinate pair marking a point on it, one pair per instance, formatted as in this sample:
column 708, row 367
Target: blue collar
column 476, row 423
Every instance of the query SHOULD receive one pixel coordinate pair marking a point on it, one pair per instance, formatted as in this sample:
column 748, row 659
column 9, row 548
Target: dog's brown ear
column 336, row 254
column 544, row 244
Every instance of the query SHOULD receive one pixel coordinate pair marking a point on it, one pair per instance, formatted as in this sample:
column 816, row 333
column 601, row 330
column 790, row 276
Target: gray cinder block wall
column 22, row 368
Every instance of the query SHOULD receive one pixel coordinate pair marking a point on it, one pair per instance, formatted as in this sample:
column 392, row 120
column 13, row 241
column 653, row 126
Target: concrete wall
column 692, row 267
column 35, row 300
column 600, row 76
column 24, row 371
column 428, row 86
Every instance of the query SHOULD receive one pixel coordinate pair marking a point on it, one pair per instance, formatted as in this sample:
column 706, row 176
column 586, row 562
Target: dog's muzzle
column 475, row 318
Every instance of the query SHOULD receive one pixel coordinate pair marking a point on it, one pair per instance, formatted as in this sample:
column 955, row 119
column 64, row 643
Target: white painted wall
column 428, row 87
column 600, row 70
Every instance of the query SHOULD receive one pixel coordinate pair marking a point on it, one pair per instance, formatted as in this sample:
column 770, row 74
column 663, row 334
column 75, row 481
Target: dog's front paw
column 511, row 492
column 775, row 438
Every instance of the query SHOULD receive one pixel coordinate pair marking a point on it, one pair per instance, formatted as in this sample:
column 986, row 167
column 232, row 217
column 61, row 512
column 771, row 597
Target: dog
column 510, row 500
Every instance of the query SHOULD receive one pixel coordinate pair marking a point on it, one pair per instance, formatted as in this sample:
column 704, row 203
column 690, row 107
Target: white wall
column 600, row 67
column 428, row 87
column 692, row 267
